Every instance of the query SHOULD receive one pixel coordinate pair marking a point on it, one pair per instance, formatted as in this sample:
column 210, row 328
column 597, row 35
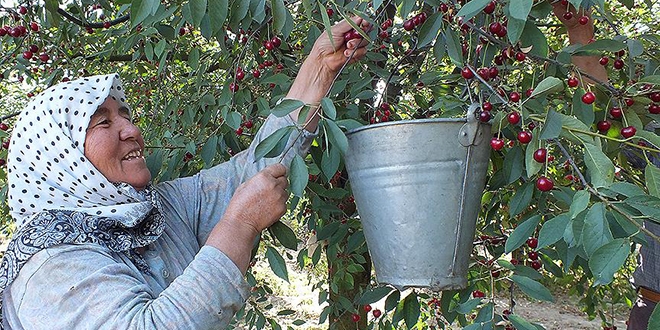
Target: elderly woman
column 98, row 247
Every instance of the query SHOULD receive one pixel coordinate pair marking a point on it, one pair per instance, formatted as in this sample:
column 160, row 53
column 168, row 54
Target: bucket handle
column 468, row 133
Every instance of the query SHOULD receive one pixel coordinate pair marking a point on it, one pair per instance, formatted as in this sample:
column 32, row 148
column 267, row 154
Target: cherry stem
column 79, row 22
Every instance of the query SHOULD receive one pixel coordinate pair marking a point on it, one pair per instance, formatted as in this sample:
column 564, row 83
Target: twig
column 79, row 22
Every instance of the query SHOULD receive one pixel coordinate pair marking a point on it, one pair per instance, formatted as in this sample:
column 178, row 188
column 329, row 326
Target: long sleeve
column 87, row 287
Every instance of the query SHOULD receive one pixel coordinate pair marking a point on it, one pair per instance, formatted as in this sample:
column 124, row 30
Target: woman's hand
column 577, row 33
column 256, row 204
column 333, row 55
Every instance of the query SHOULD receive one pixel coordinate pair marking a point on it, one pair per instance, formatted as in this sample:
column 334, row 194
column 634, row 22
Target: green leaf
column 141, row 9
column 468, row 306
column 521, row 200
column 284, row 235
column 268, row 144
column 218, row 10
column 209, row 150
column 599, row 166
column 519, row 9
column 197, row 10
column 532, row 288
column 552, row 126
column 648, row 205
column 654, row 320
column 649, row 136
column 374, row 294
column 329, row 108
column 553, row 230
column 548, row 85
column 326, row 23
column 277, row 263
column 430, row 29
column 454, row 49
column 520, row 323
column 584, row 112
column 520, row 235
column 298, row 176
column 607, row 260
column 514, row 164
column 653, row 79
column 596, row 231
column 330, row 161
column 336, row 136
column 652, row 175
column 531, row 165
column 392, row 300
column 601, row 45
column 472, row 8
column 193, row 58
column 279, row 14
column 411, row 310
column 515, row 29
column 440, row 47
column 580, row 203
column 533, row 37
column 286, row 107
column 573, row 128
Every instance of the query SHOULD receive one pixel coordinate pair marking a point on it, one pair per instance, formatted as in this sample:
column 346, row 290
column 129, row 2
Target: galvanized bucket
column 417, row 186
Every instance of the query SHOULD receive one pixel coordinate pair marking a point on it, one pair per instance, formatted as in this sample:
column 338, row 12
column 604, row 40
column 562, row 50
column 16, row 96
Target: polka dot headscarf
column 47, row 168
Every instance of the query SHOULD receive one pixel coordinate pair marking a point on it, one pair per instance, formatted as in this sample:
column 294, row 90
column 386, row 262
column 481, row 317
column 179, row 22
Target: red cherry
column 367, row 308
column 277, row 42
column 603, row 125
column 408, row 25
column 27, row 54
column 355, row 317
column 503, row 32
column 269, row 45
column 182, row 31
column 256, row 73
column 240, row 75
column 239, row 131
column 654, row 108
column 248, row 124
column 490, row 8
column 604, row 60
column 329, row 11
column 493, row 72
column 568, row 15
column 106, row 25
column 513, row 117
column 383, row 34
column 34, row 26
column 385, row 106
column 22, row 10
column 34, row 48
column 5, row 144
column 616, row 112
column 44, row 57
column 533, row 255
column 467, row 73
column 583, row 20
column 618, row 64
column 495, row 273
column 629, row 131
column 520, row 56
column 529, row 92
column 524, row 137
column 540, row 155
column 4, row 126
column 536, row 264
column 588, row 98
column 188, row 156
column 629, row 102
column 573, row 82
column 484, row 116
column 533, row 242
column 487, row 106
column 377, row 313
column 514, row 96
column 496, row 144
column 233, row 87
column 444, row 8
column 495, row 27
column 544, row 184
column 478, row 294
column 655, row 97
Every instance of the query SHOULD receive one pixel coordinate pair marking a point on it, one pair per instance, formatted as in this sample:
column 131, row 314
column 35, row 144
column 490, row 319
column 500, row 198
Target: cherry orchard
column 572, row 170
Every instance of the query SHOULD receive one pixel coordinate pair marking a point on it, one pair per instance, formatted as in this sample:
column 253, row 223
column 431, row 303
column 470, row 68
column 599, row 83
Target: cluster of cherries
column 5, row 144
column 415, row 21
column 355, row 317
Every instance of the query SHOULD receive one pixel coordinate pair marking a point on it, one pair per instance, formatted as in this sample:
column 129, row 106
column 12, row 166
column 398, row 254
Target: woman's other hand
column 333, row 55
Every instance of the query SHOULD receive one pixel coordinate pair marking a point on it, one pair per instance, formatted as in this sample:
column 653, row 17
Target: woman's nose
column 129, row 130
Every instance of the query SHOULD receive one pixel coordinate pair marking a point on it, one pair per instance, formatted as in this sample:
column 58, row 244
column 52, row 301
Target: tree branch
column 95, row 25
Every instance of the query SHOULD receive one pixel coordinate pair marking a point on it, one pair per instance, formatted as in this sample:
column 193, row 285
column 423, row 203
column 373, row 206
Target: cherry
column 654, row 108
column 188, row 156
column 256, row 73
column 533, row 242
column 4, row 126
column 533, row 255
column 536, row 264
column 27, row 54
column 269, row 45
column 408, row 25
column 277, row 42
column 495, row 273
column 5, row 144
column 573, row 82
column 355, row 317
column 106, row 25
column 444, row 8
column 496, row 144
column 514, row 96
column 2, row 162
column 616, row 112
column 493, row 72
column 568, row 15
column 240, row 75
column 329, row 11
column 495, row 27
column 588, row 97
column 22, row 10
column 34, row 26
column 490, row 8
column 604, row 60
column 487, row 106
column 385, row 106
column 544, row 184
column 233, row 87
column 520, row 56
column 377, row 313
column 383, row 34
column 655, row 97
column 628, row 131
column 524, row 137
column 44, row 57
column 603, row 125
column 583, row 20
column 478, row 294
column 239, row 131
column 629, row 102
column 540, row 155
column 618, row 64
column 513, row 117
column 467, row 73
column 367, row 308
column 484, row 116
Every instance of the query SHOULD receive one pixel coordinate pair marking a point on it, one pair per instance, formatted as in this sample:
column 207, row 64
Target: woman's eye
column 103, row 122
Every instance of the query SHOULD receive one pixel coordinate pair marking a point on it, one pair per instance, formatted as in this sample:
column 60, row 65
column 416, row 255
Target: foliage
column 202, row 75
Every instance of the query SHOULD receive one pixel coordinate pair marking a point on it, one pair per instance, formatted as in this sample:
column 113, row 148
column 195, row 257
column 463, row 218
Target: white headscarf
column 47, row 168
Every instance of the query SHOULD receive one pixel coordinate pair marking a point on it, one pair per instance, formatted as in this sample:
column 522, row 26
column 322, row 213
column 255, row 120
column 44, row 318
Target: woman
column 98, row 247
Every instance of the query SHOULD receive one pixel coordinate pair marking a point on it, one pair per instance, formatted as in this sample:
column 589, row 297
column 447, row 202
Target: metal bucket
column 418, row 186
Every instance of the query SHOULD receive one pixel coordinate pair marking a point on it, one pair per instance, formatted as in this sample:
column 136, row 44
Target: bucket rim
column 411, row 121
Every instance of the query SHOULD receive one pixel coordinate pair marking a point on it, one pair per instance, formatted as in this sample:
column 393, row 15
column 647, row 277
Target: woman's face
column 115, row 146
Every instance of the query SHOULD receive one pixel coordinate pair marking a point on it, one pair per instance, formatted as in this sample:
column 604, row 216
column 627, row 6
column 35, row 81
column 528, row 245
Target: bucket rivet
column 464, row 134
